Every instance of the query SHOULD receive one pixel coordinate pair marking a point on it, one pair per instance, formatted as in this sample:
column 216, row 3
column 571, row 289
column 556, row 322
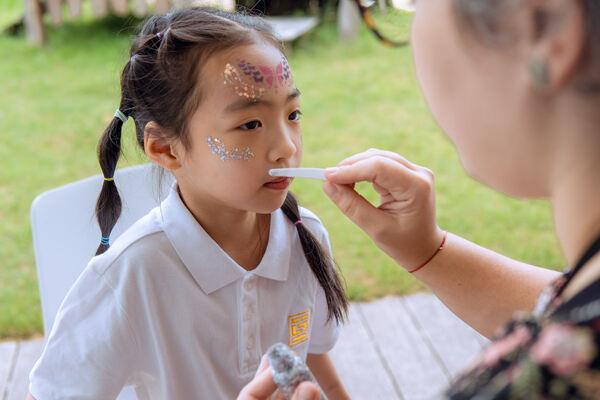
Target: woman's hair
column 159, row 83
column 487, row 18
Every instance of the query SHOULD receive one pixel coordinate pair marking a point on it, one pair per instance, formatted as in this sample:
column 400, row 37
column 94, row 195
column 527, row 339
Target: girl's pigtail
column 108, row 205
column 320, row 263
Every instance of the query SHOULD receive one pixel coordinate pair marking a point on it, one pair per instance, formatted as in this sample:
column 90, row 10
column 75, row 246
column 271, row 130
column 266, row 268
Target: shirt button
column 248, row 315
column 248, row 285
column 249, row 346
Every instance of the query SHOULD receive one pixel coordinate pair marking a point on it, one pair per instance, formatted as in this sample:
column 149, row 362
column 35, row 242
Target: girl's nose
column 284, row 144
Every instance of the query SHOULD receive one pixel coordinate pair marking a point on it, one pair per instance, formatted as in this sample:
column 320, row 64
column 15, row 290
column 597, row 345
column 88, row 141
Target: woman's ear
column 557, row 38
column 159, row 148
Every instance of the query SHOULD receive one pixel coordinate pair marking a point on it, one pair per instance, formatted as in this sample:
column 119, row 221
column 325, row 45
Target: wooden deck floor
column 394, row 348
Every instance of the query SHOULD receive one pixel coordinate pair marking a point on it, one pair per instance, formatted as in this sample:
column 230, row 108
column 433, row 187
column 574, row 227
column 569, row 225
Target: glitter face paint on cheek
column 217, row 147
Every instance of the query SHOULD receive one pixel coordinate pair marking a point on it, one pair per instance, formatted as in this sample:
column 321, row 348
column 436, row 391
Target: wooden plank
column 34, row 24
column 358, row 364
column 99, row 8
column 55, row 11
column 7, row 359
column 418, row 372
column 27, row 354
column 455, row 342
column 74, row 8
column 119, row 7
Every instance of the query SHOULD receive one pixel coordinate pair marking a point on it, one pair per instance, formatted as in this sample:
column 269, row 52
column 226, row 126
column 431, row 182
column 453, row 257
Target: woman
column 516, row 86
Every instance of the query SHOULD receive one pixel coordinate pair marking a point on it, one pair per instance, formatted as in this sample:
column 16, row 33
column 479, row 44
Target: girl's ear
column 159, row 148
column 557, row 38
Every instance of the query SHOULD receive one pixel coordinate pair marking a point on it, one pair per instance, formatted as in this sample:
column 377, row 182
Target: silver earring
column 539, row 73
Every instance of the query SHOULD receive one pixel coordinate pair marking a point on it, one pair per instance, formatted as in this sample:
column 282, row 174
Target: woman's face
column 481, row 97
column 248, row 122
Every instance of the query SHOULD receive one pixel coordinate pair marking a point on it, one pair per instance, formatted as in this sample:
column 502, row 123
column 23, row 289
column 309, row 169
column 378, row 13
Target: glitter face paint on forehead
column 273, row 77
column 217, row 147
column 253, row 80
column 233, row 78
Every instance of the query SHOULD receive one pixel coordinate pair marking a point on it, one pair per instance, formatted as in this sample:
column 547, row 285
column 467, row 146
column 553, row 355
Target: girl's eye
column 250, row 126
column 295, row 116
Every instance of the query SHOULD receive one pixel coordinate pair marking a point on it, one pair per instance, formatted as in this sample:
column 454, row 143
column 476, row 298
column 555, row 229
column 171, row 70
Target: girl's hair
column 488, row 19
column 159, row 83
column 321, row 264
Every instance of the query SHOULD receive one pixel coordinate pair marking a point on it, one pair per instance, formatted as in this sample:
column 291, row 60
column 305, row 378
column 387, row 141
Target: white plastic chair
column 66, row 234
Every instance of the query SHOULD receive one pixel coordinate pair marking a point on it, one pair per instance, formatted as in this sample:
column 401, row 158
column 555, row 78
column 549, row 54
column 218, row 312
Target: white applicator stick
column 311, row 173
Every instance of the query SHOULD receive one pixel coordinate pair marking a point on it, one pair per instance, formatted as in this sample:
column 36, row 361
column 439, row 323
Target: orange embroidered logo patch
column 298, row 328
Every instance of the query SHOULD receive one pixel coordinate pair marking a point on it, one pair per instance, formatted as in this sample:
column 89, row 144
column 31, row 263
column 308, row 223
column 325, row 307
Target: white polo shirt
column 167, row 310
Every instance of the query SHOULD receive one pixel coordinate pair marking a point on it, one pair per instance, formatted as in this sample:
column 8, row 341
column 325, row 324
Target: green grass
column 57, row 100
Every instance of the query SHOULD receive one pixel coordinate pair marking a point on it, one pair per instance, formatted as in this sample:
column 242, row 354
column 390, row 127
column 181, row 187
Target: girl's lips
column 279, row 183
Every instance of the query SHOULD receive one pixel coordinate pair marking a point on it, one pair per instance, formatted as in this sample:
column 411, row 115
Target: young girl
column 183, row 305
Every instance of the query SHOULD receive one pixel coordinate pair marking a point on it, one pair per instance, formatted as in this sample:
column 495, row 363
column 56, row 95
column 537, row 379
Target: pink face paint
column 273, row 77
column 253, row 80
column 217, row 147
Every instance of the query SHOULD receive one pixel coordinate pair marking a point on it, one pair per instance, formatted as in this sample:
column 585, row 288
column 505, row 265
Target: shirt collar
column 210, row 266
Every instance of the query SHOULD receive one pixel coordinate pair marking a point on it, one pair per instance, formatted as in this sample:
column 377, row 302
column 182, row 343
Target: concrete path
column 401, row 348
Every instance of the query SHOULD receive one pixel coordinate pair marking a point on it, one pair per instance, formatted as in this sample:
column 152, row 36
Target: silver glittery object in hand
column 289, row 370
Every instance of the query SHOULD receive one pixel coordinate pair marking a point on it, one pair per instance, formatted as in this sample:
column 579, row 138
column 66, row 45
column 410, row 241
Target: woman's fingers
column 264, row 364
column 376, row 152
column 391, row 179
column 352, row 204
column 403, row 224
column 260, row 388
column 306, row 391
column 278, row 396
column 383, row 171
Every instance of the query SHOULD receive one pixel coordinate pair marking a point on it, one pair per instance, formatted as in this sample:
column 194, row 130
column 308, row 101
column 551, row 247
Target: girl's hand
column 262, row 387
column 404, row 224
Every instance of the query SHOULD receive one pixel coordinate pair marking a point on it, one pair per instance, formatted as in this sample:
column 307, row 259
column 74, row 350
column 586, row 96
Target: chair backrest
column 66, row 234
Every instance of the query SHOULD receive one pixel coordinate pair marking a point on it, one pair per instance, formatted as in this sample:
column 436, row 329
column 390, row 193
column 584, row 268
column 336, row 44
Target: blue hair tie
column 119, row 114
column 104, row 240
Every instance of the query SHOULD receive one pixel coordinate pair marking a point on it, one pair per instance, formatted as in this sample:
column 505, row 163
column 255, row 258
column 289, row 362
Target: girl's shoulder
column 306, row 214
column 313, row 223
column 133, row 243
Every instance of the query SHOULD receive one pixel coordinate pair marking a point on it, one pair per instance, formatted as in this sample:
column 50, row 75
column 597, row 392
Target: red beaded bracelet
column 434, row 254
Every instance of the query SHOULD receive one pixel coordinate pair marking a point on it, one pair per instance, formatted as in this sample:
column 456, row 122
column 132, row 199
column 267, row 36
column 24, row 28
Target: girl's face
column 248, row 122
column 481, row 97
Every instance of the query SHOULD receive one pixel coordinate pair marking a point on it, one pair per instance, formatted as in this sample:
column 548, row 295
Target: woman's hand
column 261, row 387
column 404, row 224
column 480, row 286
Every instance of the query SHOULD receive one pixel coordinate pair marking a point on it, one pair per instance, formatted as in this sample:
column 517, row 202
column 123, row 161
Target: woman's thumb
column 352, row 204
column 307, row 391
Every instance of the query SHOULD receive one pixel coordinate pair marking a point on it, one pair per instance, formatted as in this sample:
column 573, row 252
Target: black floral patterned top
column 553, row 353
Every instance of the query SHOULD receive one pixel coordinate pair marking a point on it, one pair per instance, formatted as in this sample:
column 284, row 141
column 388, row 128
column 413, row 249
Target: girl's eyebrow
column 242, row 104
